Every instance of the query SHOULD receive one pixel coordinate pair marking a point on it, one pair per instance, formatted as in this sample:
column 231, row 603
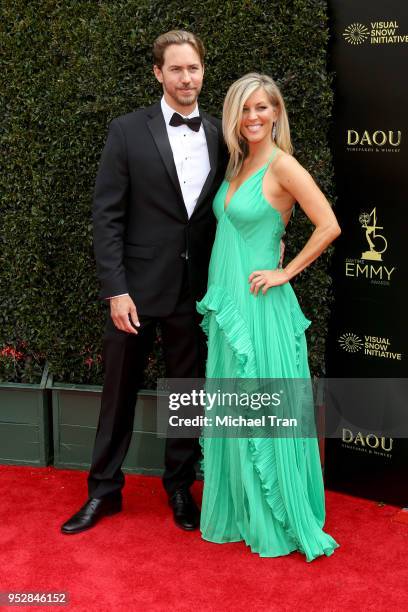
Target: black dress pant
column 125, row 357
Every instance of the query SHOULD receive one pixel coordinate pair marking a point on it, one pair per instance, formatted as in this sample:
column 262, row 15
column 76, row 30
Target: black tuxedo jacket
column 143, row 237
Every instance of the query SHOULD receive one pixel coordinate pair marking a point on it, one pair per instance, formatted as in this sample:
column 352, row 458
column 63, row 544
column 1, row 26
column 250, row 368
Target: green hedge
column 67, row 68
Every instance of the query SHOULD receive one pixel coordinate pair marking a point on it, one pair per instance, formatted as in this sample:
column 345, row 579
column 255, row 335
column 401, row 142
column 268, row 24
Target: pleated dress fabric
column 266, row 491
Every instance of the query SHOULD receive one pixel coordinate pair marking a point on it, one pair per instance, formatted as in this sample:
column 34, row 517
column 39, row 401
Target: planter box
column 75, row 411
column 25, row 423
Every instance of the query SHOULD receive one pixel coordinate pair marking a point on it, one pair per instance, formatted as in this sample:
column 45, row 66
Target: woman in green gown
column 266, row 491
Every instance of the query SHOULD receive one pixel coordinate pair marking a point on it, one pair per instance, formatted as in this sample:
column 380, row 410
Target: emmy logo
column 377, row 242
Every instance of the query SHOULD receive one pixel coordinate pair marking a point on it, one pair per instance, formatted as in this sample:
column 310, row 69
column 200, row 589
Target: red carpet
column 138, row 560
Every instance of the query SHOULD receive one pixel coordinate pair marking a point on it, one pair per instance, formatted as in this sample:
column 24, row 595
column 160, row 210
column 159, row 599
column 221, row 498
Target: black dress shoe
column 185, row 511
column 91, row 512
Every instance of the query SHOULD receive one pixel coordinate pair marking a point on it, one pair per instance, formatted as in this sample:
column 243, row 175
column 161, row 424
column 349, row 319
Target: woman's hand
column 267, row 279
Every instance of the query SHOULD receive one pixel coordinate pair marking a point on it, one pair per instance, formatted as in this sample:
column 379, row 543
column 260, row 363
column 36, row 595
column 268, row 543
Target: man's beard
column 187, row 100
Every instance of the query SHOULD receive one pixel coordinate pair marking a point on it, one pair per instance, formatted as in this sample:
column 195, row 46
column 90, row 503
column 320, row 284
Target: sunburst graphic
column 350, row 342
column 356, row 33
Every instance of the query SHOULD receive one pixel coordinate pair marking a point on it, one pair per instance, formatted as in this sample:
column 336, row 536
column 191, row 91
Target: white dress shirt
column 190, row 154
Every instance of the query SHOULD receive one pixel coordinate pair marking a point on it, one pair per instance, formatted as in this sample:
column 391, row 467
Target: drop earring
column 274, row 131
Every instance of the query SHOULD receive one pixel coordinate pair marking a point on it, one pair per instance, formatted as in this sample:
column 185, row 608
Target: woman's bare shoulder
column 285, row 162
column 287, row 169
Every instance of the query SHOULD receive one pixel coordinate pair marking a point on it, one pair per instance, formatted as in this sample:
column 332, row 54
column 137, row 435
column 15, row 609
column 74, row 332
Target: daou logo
column 369, row 440
column 379, row 138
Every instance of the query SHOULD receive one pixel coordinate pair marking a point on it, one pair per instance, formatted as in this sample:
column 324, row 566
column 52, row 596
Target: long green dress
column 266, row 491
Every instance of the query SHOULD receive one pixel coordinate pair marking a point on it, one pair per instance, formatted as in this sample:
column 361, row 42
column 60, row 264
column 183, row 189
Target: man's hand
column 282, row 254
column 124, row 314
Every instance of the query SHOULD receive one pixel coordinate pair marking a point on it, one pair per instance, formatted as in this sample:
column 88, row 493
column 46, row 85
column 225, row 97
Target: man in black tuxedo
column 153, row 233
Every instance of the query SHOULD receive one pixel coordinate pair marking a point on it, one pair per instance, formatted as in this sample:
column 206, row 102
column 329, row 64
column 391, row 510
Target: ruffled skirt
column 266, row 491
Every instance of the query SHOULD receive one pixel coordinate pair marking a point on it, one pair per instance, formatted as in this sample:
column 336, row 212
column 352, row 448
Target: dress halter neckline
column 251, row 176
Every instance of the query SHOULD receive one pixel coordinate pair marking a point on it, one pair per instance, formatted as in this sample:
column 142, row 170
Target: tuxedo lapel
column 157, row 127
column 211, row 135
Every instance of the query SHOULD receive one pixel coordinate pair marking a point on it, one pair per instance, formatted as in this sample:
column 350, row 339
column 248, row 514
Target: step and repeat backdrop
column 369, row 328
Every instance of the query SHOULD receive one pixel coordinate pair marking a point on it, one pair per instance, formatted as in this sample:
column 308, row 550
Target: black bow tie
column 194, row 123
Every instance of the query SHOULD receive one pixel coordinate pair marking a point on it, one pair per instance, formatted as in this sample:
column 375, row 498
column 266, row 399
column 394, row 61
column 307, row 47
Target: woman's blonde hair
column 235, row 99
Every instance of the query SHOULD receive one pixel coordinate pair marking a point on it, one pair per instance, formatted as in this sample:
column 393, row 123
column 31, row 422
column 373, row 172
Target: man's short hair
column 176, row 37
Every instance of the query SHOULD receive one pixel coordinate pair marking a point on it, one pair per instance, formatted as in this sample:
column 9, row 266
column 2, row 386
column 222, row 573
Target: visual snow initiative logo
column 356, row 33
column 351, row 342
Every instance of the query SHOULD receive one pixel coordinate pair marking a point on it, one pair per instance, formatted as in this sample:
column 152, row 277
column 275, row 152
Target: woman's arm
column 296, row 181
